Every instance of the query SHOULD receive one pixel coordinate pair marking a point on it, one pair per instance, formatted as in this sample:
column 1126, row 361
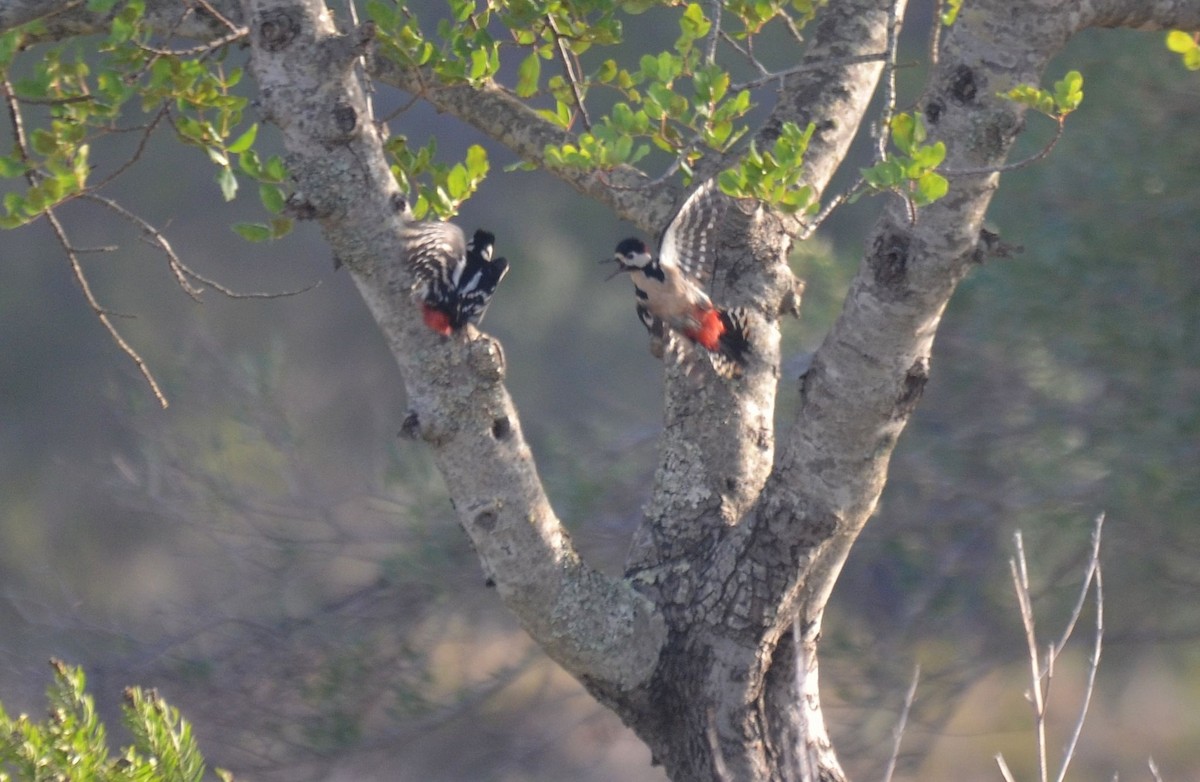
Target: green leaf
column 456, row 183
column 383, row 14
column 1068, row 92
column 479, row 63
column 693, row 23
column 248, row 161
column 607, row 72
column 11, row 167
column 275, row 171
column 930, row 187
column 244, row 141
column 271, row 197
column 43, row 142
column 730, row 181
column 228, row 182
column 951, row 12
column 253, row 232
column 930, row 155
column 528, row 75
column 477, row 161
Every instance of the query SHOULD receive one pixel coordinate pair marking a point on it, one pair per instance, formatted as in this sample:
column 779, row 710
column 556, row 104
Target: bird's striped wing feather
column 436, row 251
column 689, row 242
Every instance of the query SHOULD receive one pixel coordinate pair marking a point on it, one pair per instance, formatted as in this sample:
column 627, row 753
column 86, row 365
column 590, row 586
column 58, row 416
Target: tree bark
column 708, row 646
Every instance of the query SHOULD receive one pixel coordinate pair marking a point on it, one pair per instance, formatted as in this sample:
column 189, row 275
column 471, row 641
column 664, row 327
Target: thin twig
column 836, row 62
column 1093, row 566
column 1095, row 574
column 898, row 731
column 715, row 34
column 368, row 86
column 811, row 226
column 790, row 23
column 1004, row 770
column 565, row 54
column 31, row 175
column 1020, row 575
column 737, row 47
column 147, row 131
column 184, row 274
column 237, row 35
column 77, row 268
column 935, row 35
column 889, row 81
column 1058, row 134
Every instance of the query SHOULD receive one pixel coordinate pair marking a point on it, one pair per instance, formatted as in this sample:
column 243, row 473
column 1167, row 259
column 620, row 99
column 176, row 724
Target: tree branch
column 1141, row 14
column 597, row 627
column 14, row 13
column 66, row 19
column 495, row 111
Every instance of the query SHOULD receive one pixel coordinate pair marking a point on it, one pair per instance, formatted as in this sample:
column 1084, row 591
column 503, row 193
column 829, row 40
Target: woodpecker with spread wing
column 455, row 278
column 669, row 286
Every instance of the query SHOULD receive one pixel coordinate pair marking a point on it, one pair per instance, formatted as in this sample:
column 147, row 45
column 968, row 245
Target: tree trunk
column 707, row 646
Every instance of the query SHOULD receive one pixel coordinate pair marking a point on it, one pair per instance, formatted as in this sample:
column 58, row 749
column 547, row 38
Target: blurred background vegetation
column 285, row 570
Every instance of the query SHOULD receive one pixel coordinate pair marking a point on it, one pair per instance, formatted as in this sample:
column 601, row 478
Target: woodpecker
column 455, row 278
column 669, row 287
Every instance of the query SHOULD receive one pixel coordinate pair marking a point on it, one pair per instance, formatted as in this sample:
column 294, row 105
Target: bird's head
column 631, row 255
column 484, row 243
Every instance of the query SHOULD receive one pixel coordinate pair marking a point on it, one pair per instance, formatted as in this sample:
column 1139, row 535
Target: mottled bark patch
column 933, row 111
column 411, row 428
column 962, row 86
column 345, row 118
column 889, row 258
column 486, row 520
column 276, row 29
column 911, row 390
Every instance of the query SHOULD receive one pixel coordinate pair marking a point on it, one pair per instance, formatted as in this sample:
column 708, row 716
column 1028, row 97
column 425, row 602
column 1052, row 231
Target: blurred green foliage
column 72, row 742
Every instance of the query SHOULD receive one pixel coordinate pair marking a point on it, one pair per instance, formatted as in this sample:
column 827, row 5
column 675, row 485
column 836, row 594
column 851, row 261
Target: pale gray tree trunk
column 707, row 648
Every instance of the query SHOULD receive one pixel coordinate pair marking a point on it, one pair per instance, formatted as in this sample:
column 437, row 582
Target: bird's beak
column 620, row 266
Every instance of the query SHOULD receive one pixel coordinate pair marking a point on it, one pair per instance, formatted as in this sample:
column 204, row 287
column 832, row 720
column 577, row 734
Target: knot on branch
column 792, row 299
column 486, row 358
column 889, row 258
column 990, row 246
column 345, row 119
column 910, row 391
column 298, row 207
column 340, row 51
column 961, row 86
column 433, row 429
column 276, row 29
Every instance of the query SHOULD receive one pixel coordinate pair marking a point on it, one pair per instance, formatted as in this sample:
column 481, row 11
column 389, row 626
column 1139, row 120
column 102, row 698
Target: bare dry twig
column 1042, row 668
column 898, row 731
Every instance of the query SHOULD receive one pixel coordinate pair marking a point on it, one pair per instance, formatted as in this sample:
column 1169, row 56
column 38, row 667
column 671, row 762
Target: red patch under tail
column 708, row 335
column 436, row 320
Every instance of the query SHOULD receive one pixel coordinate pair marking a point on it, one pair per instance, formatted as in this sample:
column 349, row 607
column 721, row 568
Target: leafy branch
column 72, row 743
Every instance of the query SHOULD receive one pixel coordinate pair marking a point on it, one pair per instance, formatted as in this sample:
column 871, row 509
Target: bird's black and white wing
column 436, row 251
column 480, row 276
column 690, row 240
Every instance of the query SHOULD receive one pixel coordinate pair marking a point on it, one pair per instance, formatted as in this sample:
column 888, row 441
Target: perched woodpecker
column 455, row 278
column 669, row 286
